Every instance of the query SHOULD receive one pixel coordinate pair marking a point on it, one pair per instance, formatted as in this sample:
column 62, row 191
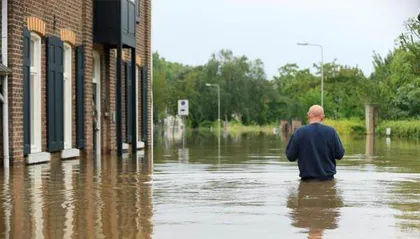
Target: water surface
column 238, row 187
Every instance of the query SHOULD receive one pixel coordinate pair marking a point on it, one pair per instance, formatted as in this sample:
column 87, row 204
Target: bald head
column 315, row 114
column 315, row 233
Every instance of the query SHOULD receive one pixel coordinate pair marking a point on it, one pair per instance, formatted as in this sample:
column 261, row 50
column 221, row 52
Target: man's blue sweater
column 316, row 147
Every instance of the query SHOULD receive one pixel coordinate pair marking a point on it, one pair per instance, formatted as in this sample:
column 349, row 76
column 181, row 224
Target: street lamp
column 218, row 117
column 322, row 68
column 218, row 101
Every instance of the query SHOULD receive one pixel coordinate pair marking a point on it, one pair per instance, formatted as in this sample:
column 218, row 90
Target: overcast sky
column 189, row 31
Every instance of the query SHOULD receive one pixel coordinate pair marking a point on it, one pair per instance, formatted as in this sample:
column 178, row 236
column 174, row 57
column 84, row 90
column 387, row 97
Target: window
column 67, row 96
column 96, row 101
column 32, row 47
column 35, row 93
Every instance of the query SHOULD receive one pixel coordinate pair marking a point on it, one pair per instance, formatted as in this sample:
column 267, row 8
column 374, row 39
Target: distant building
column 62, row 87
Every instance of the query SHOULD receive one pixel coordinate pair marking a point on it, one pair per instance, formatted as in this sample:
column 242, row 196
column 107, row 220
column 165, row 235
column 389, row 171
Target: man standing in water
column 316, row 147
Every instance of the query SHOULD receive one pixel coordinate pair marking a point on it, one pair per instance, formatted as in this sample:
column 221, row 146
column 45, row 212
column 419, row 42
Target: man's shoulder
column 327, row 127
column 323, row 127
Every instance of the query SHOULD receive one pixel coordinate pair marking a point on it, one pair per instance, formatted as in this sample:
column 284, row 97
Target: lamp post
column 218, row 102
column 218, row 118
column 322, row 68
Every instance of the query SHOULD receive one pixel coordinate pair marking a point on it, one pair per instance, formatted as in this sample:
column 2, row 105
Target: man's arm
column 292, row 152
column 338, row 147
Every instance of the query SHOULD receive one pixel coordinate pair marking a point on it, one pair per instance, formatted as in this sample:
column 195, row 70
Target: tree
column 247, row 95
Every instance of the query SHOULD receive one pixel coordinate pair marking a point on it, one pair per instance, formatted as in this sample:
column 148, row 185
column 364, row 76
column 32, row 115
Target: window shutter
column 128, row 101
column 144, row 103
column 55, row 109
column 26, row 91
column 138, row 7
column 80, row 98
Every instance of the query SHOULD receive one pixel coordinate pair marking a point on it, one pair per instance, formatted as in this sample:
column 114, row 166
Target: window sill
column 70, row 153
column 140, row 145
column 36, row 158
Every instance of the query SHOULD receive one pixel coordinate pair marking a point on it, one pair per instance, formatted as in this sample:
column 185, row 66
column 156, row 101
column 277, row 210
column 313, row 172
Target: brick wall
column 15, row 30
column 1, row 105
column 87, row 22
column 148, row 61
column 77, row 16
column 108, row 76
column 110, row 57
column 57, row 15
column 111, row 138
column 144, row 49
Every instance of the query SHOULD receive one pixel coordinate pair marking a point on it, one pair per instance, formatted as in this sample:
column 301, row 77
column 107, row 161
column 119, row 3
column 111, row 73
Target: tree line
column 249, row 96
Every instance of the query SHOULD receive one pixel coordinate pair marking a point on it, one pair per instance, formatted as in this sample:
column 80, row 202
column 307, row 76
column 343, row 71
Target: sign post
column 183, row 107
column 182, row 112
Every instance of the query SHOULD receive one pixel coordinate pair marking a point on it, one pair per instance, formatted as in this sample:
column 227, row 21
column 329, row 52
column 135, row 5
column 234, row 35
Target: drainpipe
column 151, row 77
column 4, row 53
column 151, row 97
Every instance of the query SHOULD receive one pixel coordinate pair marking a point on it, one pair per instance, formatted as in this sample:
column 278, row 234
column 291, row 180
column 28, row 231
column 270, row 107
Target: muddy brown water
column 242, row 187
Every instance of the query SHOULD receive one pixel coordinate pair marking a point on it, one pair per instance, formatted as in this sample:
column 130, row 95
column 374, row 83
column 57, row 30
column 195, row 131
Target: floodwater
column 200, row 187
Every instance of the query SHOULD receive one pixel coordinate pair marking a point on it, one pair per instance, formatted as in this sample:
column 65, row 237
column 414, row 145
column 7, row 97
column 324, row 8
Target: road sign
column 182, row 107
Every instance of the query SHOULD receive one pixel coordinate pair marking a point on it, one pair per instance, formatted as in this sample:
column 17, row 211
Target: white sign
column 182, row 107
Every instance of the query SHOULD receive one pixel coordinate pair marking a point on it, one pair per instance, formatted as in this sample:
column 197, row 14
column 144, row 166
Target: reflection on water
column 370, row 145
column 78, row 199
column 68, row 205
column 315, row 207
column 239, row 187
column 36, row 198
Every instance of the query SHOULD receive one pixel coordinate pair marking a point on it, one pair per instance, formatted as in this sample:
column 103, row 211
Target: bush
column 347, row 126
column 401, row 128
column 207, row 124
column 235, row 123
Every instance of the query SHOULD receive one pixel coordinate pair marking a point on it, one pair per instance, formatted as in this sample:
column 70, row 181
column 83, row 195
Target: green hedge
column 347, row 126
column 207, row 124
column 401, row 128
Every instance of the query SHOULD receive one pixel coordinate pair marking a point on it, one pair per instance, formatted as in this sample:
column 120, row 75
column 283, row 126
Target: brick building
column 80, row 77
